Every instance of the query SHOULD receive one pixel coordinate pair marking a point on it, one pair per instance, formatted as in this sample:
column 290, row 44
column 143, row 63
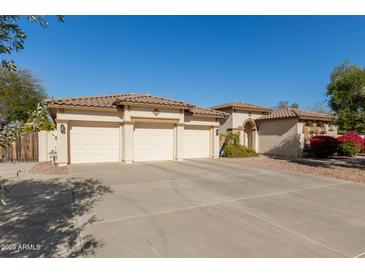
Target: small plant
column 347, row 149
column 323, row 146
column 235, row 151
column 350, row 144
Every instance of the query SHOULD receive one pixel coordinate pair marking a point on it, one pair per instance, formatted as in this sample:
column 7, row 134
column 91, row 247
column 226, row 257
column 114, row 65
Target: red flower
column 353, row 139
column 323, row 146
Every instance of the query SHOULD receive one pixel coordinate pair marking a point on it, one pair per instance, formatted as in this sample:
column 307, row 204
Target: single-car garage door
column 94, row 142
column 196, row 142
column 153, row 142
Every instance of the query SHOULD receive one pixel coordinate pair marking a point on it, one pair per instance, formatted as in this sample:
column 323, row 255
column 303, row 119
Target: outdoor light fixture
column 63, row 129
column 156, row 112
column 217, row 132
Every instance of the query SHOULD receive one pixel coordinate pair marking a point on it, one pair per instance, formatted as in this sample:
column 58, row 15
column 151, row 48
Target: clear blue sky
column 205, row 60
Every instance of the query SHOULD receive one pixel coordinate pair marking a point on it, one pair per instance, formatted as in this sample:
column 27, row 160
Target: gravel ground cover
column 47, row 168
column 350, row 169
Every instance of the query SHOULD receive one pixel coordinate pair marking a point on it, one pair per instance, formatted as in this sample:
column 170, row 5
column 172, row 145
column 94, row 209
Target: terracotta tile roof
column 241, row 106
column 283, row 113
column 103, row 101
column 304, row 114
column 147, row 99
column 208, row 112
column 112, row 101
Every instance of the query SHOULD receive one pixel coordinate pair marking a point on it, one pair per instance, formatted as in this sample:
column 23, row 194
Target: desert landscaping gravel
column 339, row 169
column 46, row 168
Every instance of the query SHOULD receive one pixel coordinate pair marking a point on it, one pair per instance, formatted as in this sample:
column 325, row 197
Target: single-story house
column 282, row 132
column 129, row 128
column 142, row 127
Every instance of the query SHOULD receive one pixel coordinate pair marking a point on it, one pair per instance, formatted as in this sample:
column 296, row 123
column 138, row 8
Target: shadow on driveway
column 40, row 218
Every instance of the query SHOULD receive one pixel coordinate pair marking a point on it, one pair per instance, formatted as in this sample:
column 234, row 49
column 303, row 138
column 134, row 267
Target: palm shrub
column 233, row 149
column 350, row 144
column 232, row 138
column 323, row 146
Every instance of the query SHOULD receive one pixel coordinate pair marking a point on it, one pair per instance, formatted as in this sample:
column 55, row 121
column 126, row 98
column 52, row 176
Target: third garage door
column 196, row 142
column 153, row 142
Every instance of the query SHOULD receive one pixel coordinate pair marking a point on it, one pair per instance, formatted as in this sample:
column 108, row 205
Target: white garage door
column 196, row 142
column 153, row 142
column 94, row 143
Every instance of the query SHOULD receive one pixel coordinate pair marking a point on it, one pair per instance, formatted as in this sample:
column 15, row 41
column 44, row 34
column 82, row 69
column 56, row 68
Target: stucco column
column 242, row 137
column 62, row 143
column 42, row 146
column 121, row 142
column 127, row 141
column 300, row 130
column 255, row 140
column 215, row 142
column 179, row 149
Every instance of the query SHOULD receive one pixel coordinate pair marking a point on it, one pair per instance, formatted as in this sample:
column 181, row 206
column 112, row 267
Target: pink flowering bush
column 363, row 145
column 350, row 144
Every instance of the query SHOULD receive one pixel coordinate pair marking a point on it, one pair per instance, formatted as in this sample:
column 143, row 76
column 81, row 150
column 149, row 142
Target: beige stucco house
column 282, row 132
column 129, row 128
column 142, row 127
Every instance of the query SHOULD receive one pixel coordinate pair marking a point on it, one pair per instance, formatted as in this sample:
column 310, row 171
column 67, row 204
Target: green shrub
column 350, row 144
column 235, row 151
column 348, row 149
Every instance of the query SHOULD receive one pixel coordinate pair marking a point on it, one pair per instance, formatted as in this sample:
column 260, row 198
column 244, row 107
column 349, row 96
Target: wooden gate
column 24, row 149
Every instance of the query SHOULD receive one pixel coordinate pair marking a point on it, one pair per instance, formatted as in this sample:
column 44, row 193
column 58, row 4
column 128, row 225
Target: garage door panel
column 94, row 143
column 153, row 142
column 196, row 142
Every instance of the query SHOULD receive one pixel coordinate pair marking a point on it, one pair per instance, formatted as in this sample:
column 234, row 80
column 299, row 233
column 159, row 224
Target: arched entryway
column 249, row 130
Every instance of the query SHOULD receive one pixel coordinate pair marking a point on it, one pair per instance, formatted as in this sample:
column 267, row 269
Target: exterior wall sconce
column 217, row 132
column 156, row 112
column 63, row 129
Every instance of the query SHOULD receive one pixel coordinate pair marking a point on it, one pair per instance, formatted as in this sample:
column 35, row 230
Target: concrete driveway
column 220, row 208
column 193, row 208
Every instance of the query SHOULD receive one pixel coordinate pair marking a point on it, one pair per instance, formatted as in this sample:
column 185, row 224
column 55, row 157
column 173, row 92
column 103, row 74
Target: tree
column 285, row 104
column 319, row 107
column 9, row 133
column 294, row 105
column 346, row 92
column 12, row 37
column 38, row 120
column 20, row 96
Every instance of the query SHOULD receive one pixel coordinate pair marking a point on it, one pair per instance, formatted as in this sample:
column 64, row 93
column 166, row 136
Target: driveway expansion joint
column 291, row 231
column 215, row 203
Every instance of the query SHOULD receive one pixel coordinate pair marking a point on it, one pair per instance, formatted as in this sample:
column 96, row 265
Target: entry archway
column 249, row 130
